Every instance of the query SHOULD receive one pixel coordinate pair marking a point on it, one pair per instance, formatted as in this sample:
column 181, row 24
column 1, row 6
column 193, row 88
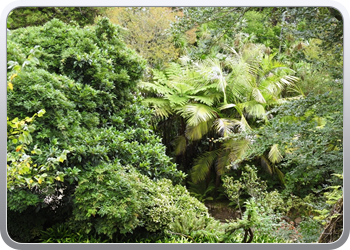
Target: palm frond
column 223, row 161
column 256, row 94
column 266, row 165
column 272, row 169
column 237, row 148
column 195, row 133
column 275, row 155
column 280, row 176
column 155, row 87
column 227, row 106
column 224, row 126
column 180, row 145
column 255, row 109
column 202, row 165
column 197, row 113
column 212, row 69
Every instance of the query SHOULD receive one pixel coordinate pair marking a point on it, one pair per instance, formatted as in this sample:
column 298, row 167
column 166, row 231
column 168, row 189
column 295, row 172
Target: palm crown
column 220, row 97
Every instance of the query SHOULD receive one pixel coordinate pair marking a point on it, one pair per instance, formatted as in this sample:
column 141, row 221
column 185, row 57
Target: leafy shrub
column 112, row 198
column 85, row 79
column 62, row 233
column 310, row 230
column 33, row 16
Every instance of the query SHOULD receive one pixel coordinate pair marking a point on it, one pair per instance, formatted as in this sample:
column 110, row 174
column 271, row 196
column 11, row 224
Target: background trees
column 36, row 16
column 146, row 30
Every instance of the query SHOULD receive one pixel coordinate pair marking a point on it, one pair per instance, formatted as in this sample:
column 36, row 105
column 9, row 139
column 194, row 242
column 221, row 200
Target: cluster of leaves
column 85, row 79
column 36, row 16
column 62, row 233
column 114, row 198
column 307, row 135
column 264, row 211
column 215, row 98
column 333, row 196
column 212, row 25
column 325, row 23
column 146, row 31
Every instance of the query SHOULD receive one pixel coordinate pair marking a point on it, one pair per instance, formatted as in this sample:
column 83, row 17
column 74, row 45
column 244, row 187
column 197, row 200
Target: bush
column 61, row 233
column 112, row 198
column 85, row 79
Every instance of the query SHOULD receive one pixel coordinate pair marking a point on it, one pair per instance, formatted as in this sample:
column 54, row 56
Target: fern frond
column 173, row 71
column 176, row 100
column 203, row 99
column 161, row 106
column 159, row 76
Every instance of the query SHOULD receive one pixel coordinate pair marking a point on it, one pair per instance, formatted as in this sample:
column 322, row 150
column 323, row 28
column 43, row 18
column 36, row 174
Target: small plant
column 288, row 232
column 63, row 234
column 196, row 229
column 201, row 191
column 310, row 230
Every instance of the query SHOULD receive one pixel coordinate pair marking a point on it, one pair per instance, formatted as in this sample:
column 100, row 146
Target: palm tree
column 219, row 98
column 250, row 82
column 184, row 97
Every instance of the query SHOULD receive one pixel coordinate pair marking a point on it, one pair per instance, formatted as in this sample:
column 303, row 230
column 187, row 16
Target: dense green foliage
column 124, row 133
column 37, row 16
column 308, row 134
column 93, row 114
column 113, row 198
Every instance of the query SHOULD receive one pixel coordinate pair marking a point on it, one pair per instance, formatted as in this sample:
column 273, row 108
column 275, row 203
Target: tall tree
column 147, row 32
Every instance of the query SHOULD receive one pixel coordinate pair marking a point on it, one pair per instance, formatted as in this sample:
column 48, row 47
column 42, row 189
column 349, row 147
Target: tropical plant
column 62, row 233
column 254, row 83
column 218, row 98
